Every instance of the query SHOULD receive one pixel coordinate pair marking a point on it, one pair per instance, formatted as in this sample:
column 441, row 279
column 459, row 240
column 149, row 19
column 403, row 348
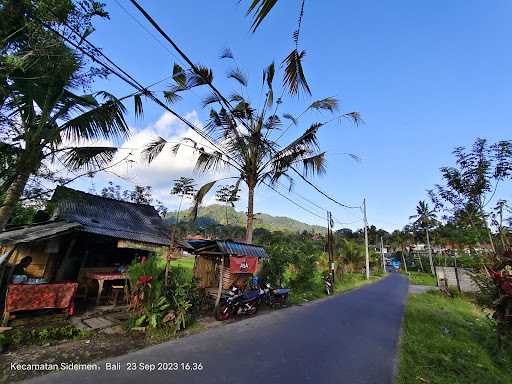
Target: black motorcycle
column 236, row 302
column 274, row 297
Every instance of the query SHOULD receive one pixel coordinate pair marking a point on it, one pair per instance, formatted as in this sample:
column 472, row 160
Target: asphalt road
column 350, row 338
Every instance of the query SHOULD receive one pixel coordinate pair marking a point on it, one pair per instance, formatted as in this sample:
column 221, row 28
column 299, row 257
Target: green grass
column 421, row 278
column 187, row 263
column 447, row 341
column 349, row 281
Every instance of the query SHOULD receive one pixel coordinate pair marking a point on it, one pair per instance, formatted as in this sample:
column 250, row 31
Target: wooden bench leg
column 100, row 289
column 5, row 319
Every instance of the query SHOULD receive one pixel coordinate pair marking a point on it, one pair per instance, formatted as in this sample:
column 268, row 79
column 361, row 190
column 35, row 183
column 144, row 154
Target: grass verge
column 350, row 281
column 448, row 341
column 421, row 278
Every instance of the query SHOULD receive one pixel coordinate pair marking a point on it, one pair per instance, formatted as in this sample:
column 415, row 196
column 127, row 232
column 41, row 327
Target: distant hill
column 216, row 214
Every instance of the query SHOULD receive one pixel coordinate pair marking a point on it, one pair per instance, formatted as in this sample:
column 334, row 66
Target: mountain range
column 216, row 214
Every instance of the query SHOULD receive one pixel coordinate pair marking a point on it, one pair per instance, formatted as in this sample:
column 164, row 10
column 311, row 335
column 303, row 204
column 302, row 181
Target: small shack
column 220, row 264
column 87, row 238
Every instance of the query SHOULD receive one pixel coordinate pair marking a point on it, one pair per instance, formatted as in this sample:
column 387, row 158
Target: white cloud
column 167, row 166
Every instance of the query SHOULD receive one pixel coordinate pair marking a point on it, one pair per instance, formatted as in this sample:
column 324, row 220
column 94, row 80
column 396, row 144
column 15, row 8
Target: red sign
column 243, row 264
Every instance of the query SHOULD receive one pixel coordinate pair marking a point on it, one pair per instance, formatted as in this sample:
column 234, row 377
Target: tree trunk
column 12, row 196
column 403, row 259
column 250, row 214
column 430, row 253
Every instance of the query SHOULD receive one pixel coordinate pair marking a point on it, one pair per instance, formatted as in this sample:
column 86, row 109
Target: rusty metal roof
column 110, row 217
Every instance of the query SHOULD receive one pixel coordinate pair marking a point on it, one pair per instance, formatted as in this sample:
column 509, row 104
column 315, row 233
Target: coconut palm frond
column 291, row 118
column 329, row 103
column 212, row 98
column 260, row 9
column 227, row 54
column 272, row 122
column 209, row 161
column 294, row 79
column 171, row 95
column 268, row 74
column 236, row 97
column 89, row 158
column 354, row 157
column 238, row 75
column 137, row 105
column 104, row 121
column 199, row 197
column 179, row 75
column 153, row 149
column 203, row 76
column 314, row 165
column 307, row 141
column 355, row 117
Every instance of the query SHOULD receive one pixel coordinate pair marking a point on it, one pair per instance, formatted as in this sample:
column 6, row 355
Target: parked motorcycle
column 274, row 297
column 236, row 302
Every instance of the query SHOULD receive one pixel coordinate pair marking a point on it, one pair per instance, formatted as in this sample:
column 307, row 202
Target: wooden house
column 85, row 234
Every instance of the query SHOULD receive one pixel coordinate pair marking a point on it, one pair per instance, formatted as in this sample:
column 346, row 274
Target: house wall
column 450, row 274
column 44, row 255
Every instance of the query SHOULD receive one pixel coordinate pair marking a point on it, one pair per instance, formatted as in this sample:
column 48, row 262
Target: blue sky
column 426, row 77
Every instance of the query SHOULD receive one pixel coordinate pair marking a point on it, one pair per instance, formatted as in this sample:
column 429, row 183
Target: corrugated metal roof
column 241, row 249
column 37, row 232
column 110, row 217
column 225, row 246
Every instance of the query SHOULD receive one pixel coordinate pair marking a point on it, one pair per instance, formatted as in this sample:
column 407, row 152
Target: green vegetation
column 216, row 214
column 420, row 278
column 21, row 336
column 449, row 341
column 316, row 291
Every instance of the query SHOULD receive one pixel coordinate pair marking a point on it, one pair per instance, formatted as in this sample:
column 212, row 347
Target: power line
column 219, row 94
column 144, row 91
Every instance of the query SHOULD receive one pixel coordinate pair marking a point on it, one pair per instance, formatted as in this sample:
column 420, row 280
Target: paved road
column 350, row 338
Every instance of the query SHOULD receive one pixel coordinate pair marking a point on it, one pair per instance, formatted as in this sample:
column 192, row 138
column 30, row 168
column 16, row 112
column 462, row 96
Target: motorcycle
column 274, row 297
column 328, row 284
column 236, row 302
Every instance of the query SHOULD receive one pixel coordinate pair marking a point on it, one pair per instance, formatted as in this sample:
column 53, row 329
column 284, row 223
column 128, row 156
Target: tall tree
column 469, row 186
column 43, row 119
column 426, row 218
column 245, row 139
column 183, row 187
column 228, row 194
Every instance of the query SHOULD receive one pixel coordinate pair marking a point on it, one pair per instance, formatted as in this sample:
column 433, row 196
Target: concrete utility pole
column 366, row 240
column 382, row 254
column 330, row 247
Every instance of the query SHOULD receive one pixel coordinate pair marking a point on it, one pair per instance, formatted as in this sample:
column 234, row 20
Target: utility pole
column 382, row 254
column 366, row 240
column 330, row 246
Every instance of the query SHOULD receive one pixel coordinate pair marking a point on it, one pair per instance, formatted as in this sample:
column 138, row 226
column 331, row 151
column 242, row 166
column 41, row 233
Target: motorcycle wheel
column 328, row 291
column 253, row 310
column 222, row 312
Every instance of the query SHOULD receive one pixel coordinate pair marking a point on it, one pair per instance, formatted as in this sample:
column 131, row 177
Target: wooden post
column 221, row 276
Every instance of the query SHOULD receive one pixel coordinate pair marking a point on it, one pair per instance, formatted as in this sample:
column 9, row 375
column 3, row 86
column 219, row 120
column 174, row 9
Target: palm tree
column 425, row 218
column 183, row 187
column 245, row 140
column 45, row 122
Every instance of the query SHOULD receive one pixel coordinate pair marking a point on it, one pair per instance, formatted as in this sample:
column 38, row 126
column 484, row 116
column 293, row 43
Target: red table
column 101, row 277
column 27, row 297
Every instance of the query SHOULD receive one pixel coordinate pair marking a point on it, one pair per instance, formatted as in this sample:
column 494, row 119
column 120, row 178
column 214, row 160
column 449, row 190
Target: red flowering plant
column 495, row 283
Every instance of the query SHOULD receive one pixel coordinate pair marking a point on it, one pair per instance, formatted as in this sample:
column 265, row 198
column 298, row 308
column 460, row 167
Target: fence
column 459, row 278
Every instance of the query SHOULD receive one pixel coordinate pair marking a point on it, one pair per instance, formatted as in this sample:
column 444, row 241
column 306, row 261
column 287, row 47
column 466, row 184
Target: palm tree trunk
column 430, row 253
column 250, row 214
column 12, row 196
